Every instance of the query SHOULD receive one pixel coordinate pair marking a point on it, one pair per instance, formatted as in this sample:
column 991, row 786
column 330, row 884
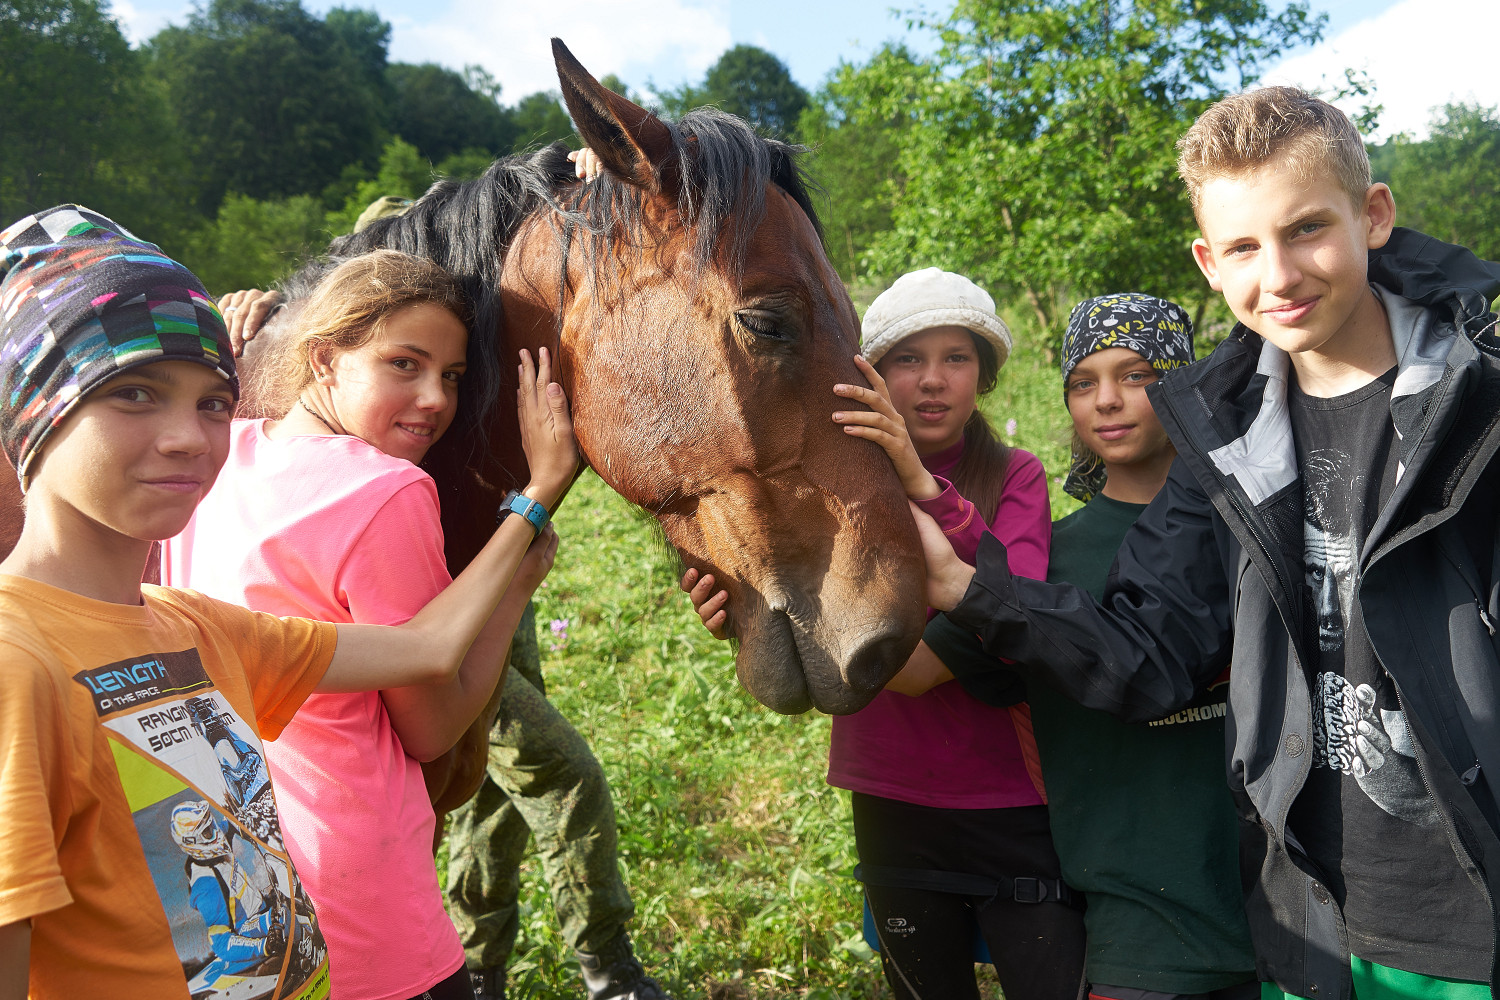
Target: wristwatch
column 519, row 503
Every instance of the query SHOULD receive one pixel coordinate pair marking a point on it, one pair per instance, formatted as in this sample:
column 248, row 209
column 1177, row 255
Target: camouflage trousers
column 542, row 780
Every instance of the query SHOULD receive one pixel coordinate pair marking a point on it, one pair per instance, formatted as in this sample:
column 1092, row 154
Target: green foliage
column 1039, row 153
column 611, row 81
column 749, row 82
column 465, row 166
column 71, row 87
column 1357, row 83
column 404, row 173
column 854, row 131
column 541, row 119
column 251, row 244
column 271, row 101
column 1448, row 186
column 442, row 115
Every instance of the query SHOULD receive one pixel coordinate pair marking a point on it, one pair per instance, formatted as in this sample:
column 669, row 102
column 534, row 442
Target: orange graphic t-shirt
column 140, row 832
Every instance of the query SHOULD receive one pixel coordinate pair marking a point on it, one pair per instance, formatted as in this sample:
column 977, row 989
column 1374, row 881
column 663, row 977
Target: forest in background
column 1032, row 151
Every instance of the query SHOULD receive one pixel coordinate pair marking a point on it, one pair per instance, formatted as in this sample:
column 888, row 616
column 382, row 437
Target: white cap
column 921, row 300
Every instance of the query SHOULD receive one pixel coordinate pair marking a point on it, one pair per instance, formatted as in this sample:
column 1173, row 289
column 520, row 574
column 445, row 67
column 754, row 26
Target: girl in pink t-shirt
column 944, row 782
column 323, row 513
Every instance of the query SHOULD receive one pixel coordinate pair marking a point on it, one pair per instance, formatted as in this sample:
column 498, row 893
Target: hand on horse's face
column 245, row 312
column 546, row 430
column 948, row 576
column 883, row 425
column 709, row 605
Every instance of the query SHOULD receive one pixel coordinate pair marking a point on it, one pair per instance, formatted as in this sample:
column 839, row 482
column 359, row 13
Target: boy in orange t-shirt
column 141, row 855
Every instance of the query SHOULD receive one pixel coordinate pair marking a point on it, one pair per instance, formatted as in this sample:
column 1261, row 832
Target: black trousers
column 456, row 987
column 927, row 938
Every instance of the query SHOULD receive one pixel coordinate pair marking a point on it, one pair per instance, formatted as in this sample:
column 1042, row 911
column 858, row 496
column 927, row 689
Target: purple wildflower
column 559, row 629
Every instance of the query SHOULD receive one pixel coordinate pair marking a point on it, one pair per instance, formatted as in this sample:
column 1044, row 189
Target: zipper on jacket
column 1245, row 515
column 1484, row 616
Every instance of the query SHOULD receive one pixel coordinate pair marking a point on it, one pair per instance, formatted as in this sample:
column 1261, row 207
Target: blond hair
column 1245, row 131
column 346, row 310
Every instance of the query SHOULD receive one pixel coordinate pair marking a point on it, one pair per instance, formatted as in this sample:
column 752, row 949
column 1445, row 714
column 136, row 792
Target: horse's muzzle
column 791, row 665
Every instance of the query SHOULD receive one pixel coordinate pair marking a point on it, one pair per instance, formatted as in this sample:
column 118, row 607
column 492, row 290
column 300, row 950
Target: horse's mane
column 722, row 165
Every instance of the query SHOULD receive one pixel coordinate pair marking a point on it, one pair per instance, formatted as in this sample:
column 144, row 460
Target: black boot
column 612, row 973
column 489, row 984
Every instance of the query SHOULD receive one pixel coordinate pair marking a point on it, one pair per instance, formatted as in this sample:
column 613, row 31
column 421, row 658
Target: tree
column 1040, row 155
column 853, row 128
column 68, row 77
column 1448, row 186
column 273, row 101
column 540, row 119
column 749, row 82
column 251, row 243
column 436, row 110
column 404, row 173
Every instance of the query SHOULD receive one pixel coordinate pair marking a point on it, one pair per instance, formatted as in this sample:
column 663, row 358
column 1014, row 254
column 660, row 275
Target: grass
column 737, row 854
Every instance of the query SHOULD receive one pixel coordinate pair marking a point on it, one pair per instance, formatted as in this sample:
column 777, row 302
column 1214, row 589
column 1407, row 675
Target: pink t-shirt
column 335, row 529
column 944, row 748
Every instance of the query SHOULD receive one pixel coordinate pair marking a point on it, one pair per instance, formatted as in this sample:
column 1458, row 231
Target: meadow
column 737, row 853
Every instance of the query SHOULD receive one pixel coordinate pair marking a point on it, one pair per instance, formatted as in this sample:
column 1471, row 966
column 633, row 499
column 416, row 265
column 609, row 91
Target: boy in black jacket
column 1331, row 527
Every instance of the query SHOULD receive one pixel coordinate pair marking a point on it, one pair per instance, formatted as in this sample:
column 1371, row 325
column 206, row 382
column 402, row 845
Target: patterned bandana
column 81, row 300
column 1157, row 330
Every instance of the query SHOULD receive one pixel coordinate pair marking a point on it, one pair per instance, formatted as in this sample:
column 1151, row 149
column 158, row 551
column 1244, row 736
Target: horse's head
column 700, row 330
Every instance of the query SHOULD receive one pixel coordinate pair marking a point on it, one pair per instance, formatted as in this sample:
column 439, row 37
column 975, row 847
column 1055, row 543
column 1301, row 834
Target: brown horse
column 699, row 328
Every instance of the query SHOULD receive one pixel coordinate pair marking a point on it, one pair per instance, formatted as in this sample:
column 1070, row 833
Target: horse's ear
column 633, row 143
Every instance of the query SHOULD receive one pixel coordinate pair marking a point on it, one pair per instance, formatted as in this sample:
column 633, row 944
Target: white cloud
column 509, row 38
column 139, row 21
column 1420, row 54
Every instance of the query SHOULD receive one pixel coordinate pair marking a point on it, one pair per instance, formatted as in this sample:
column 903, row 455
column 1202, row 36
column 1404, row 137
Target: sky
column 1420, row 54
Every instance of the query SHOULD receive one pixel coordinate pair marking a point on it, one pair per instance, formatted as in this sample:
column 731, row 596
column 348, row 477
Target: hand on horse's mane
column 245, row 312
column 586, row 164
column 709, row 605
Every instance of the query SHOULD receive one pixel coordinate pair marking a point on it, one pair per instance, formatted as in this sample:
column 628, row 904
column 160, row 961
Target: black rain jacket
column 1212, row 572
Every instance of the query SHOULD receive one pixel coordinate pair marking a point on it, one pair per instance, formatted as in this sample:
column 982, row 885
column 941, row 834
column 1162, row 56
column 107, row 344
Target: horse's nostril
column 875, row 660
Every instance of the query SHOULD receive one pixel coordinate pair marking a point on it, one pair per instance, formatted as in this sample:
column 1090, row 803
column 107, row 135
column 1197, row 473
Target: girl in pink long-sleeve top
column 950, row 820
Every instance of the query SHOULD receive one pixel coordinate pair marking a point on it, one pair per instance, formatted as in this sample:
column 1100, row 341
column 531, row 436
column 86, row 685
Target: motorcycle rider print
column 236, row 888
column 1359, row 728
column 246, row 780
column 194, row 775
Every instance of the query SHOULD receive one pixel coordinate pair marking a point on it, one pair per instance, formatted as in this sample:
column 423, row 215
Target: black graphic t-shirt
column 1366, row 816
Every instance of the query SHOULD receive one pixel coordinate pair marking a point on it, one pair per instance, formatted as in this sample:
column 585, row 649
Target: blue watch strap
column 519, row 503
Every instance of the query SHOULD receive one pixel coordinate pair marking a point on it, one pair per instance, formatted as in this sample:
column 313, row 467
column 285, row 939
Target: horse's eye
column 762, row 325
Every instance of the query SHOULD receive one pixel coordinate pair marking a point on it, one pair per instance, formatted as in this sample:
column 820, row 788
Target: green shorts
column 1378, row 982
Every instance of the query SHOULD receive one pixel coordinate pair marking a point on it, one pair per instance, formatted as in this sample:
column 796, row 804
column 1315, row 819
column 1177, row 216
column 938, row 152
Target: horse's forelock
column 720, row 166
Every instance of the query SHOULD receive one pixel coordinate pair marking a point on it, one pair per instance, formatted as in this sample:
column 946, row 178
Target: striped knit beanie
column 81, row 300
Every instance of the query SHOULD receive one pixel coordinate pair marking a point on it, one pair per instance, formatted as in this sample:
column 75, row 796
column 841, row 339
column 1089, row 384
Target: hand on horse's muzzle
column 709, row 605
